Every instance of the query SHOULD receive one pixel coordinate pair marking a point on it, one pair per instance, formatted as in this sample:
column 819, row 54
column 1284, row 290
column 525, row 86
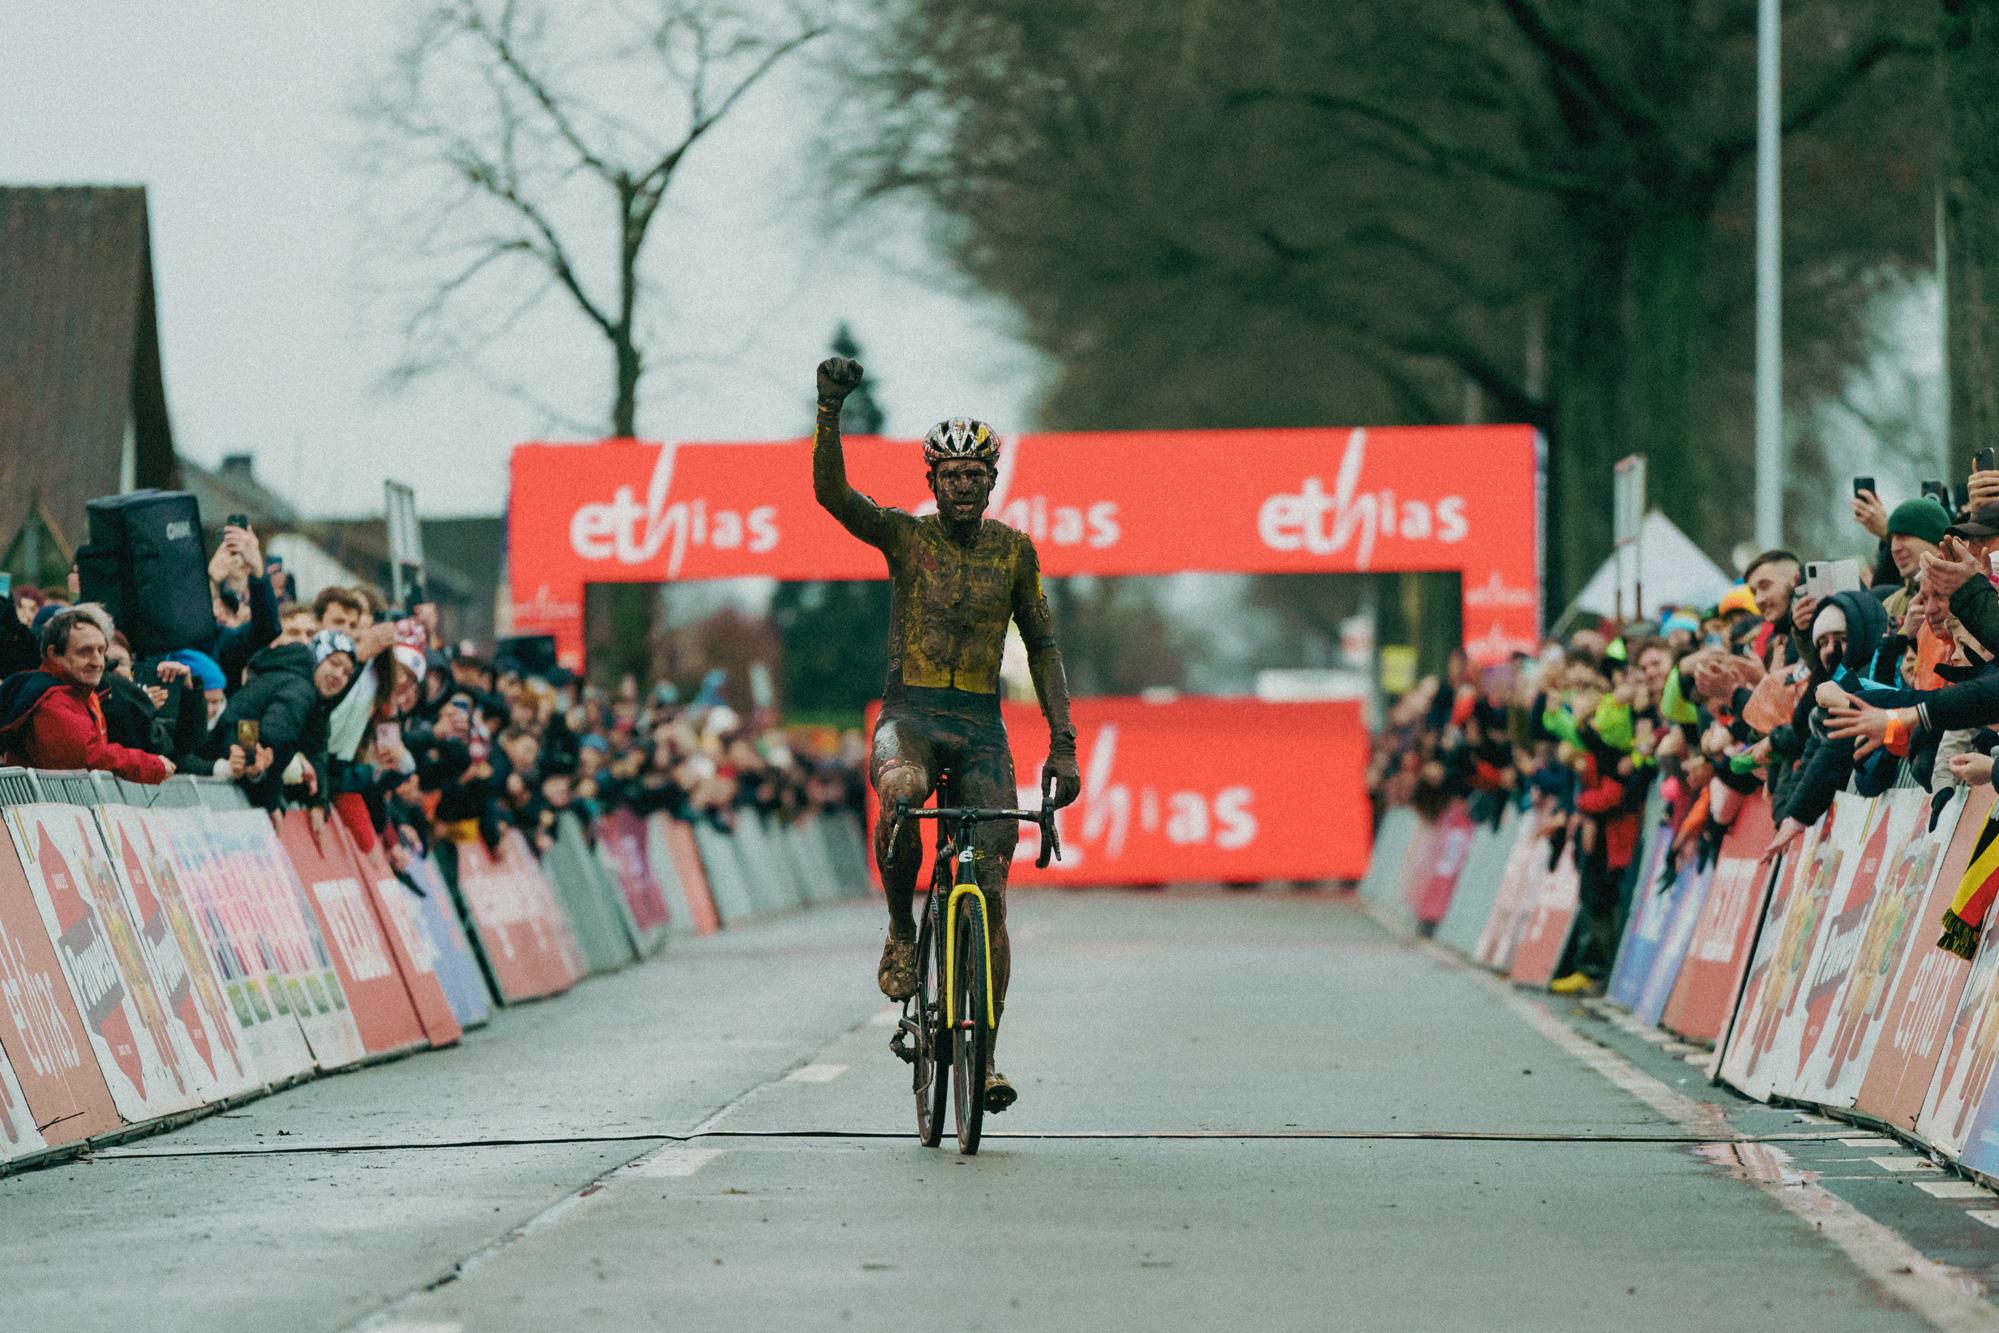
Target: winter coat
column 281, row 698
column 46, row 722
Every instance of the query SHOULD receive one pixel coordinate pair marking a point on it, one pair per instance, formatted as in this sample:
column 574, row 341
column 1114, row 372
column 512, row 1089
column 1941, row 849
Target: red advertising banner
column 1550, row 917
column 1718, row 953
column 1526, row 864
column 1199, row 790
column 521, row 928
column 416, row 952
column 1333, row 500
column 41, row 1030
column 340, row 902
column 1924, row 993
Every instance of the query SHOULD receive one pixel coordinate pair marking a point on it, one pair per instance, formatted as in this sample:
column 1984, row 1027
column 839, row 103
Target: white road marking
column 1905, row 1163
column 1952, row 1189
column 1944, row 1295
column 1989, row 1216
column 1682, row 1048
column 675, row 1163
column 1870, row 1141
column 420, row 1326
column 815, row 1073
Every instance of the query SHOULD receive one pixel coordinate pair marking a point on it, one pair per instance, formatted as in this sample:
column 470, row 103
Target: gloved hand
column 1061, row 782
column 838, row 377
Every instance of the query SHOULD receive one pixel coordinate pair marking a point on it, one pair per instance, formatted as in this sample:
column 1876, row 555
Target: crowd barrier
column 168, row 951
column 1813, row 978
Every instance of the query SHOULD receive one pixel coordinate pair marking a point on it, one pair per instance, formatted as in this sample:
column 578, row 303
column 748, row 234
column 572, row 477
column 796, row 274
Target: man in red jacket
column 51, row 717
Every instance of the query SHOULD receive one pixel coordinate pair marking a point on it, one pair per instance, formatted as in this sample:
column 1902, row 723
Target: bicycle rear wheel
column 971, row 1037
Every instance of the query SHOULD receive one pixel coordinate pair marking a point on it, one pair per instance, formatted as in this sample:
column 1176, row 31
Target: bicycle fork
column 967, row 883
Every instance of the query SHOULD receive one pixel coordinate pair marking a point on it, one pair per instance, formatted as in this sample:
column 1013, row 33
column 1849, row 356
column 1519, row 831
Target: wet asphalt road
column 1237, row 1111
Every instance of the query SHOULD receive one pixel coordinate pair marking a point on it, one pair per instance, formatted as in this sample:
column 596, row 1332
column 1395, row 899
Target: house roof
column 79, row 341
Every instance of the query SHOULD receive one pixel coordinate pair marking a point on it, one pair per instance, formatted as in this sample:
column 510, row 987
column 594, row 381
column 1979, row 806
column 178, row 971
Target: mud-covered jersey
column 949, row 601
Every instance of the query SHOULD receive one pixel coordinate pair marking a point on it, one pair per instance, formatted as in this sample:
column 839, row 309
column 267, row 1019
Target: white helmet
column 961, row 437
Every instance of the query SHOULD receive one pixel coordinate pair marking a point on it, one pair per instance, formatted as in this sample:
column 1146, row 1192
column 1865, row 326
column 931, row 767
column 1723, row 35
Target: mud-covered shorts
column 935, row 730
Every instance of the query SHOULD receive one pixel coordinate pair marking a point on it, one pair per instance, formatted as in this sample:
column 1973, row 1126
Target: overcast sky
column 231, row 115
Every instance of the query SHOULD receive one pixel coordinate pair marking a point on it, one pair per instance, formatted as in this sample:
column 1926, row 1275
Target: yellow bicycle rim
column 951, row 955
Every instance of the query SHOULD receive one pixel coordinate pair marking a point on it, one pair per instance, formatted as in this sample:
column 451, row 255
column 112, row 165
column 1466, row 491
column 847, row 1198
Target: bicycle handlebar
column 1051, row 840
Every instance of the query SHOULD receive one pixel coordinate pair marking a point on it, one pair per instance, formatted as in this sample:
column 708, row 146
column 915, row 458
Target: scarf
column 1975, row 891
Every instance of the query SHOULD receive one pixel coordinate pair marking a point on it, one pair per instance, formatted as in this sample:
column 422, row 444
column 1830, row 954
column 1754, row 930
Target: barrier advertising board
column 1859, row 961
column 254, row 861
column 416, row 952
column 74, row 889
column 344, row 914
column 622, row 837
column 425, row 903
column 18, row 1135
column 522, row 932
column 1718, row 954
column 181, row 966
column 41, row 1029
column 1478, row 883
column 1430, row 887
column 1688, row 895
column 1552, row 915
column 671, row 844
column 1526, row 864
column 231, row 927
column 1925, row 991
column 1645, row 923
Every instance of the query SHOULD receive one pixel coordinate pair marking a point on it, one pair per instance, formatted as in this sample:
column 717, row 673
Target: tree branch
column 501, row 42
column 1626, row 105
column 1440, row 152
column 1828, row 92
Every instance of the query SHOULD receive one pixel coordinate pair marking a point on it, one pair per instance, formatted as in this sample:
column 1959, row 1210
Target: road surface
column 1243, row 1111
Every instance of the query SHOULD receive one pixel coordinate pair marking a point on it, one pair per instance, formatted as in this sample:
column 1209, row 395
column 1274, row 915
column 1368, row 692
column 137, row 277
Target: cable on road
column 1156, row 1135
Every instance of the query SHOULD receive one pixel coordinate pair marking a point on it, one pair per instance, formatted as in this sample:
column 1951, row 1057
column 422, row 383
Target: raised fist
column 838, row 377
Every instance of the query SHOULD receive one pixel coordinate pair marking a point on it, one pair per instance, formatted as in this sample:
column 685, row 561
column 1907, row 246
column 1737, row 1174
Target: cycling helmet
column 961, row 437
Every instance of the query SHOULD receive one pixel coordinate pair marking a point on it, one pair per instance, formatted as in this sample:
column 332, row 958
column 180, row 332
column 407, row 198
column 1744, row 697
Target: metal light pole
column 1769, row 283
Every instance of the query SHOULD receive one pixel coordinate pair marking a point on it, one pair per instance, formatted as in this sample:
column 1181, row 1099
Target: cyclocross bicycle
column 946, row 1028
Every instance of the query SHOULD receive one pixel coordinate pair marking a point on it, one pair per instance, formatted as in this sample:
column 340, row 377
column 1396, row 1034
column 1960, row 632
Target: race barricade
column 1478, row 883
column 342, row 904
column 675, row 859
column 595, row 909
column 433, row 911
column 1549, row 919
column 1718, row 954
column 167, row 950
column 1646, row 919
column 1427, row 889
column 1395, row 843
column 621, row 843
column 724, row 871
column 1526, row 861
column 523, row 937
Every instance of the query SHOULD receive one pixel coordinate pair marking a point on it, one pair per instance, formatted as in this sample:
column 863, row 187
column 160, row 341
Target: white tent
column 1672, row 570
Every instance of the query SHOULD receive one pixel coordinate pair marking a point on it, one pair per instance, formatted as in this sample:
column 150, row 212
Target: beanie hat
column 328, row 642
column 207, row 672
column 1738, row 598
column 1921, row 518
column 1829, row 620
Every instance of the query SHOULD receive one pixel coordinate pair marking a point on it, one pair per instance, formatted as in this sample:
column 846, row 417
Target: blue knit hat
column 207, row 673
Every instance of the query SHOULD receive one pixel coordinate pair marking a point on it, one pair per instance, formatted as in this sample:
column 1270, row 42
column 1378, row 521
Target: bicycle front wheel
column 971, row 1037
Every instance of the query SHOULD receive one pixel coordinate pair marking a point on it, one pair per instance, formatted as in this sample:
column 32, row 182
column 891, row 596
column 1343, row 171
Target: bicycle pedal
column 899, row 1044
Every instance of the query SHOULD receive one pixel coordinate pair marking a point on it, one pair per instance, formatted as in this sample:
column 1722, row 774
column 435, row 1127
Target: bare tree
column 522, row 159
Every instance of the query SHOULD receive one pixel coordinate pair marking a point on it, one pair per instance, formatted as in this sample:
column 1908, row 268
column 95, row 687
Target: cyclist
column 956, row 578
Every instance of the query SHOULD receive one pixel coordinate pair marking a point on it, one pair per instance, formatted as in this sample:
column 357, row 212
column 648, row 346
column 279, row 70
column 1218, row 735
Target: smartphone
column 236, row 521
column 246, row 736
column 1984, row 460
column 1937, row 491
column 1863, row 484
column 1809, row 587
column 1960, row 494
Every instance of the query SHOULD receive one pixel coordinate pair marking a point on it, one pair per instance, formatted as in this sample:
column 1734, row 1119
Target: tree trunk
column 1587, row 369
column 1664, row 313
column 1969, row 37
column 625, row 406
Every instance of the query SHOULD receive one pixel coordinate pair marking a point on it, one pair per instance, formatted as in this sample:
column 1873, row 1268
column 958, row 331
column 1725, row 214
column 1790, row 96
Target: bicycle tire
column 971, row 1039
column 930, row 1077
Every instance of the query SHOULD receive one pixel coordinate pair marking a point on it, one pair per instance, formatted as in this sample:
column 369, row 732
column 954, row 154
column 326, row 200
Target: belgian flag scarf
column 1975, row 891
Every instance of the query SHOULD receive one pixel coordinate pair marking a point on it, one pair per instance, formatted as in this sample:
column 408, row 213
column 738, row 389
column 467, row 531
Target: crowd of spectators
column 342, row 704
column 1806, row 679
